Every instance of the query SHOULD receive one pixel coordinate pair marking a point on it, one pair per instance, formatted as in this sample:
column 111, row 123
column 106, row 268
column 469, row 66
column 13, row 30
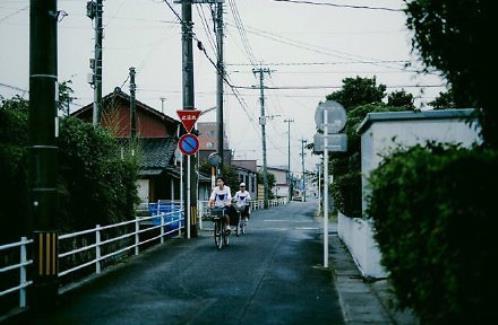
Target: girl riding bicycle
column 222, row 198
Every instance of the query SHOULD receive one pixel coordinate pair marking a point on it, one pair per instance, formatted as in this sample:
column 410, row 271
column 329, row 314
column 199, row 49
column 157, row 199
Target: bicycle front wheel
column 218, row 234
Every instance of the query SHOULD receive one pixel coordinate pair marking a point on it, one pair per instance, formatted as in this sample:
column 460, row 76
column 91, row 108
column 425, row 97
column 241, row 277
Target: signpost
column 335, row 142
column 188, row 145
column 330, row 117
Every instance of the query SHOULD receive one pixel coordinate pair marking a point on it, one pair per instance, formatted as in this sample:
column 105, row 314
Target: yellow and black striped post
column 46, row 248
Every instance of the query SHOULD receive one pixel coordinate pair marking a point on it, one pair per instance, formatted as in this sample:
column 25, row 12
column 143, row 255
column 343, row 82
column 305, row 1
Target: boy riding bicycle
column 242, row 200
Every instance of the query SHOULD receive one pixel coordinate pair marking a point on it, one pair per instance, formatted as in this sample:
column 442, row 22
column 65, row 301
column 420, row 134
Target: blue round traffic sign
column 188, row 144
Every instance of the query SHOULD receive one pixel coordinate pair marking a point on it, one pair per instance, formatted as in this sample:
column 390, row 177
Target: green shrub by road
column 435, row 217
column 95, row 184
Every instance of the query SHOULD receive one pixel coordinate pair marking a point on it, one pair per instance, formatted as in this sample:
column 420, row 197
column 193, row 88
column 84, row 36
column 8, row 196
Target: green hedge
column 95, row 184
column 346, row 168
column 435, row 216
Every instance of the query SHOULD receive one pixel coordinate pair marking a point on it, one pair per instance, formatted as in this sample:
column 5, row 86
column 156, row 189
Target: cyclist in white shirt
column 242, row 199
column 222, row 198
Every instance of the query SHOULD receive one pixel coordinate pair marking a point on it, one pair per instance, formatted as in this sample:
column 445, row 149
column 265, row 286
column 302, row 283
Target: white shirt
column 242, row 198
column 221, row 197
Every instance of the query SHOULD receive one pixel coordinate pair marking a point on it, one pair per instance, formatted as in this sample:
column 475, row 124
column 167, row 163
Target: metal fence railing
column 164, row 223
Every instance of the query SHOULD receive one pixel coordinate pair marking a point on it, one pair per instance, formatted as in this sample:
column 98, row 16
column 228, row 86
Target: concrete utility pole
column 303, row 142
column 133, row 107
column 163, row 99
column 289, row 121
column 189, row 103
column 262, row 121
column 95, row 10
column 43, row 131
column 220, row 81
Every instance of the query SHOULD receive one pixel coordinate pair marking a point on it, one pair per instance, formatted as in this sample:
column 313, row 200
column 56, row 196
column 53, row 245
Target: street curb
column 358, row 303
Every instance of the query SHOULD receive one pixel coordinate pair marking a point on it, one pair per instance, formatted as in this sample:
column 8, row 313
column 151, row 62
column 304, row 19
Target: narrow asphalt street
column 269, row 276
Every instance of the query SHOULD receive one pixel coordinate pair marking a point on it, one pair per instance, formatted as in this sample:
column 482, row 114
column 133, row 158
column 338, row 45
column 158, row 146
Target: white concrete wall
column 143, row 190
column 383, row 137
column 376, row 142
column 357, row 234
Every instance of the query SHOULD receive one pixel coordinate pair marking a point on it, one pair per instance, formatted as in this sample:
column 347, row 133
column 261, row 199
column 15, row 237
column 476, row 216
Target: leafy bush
column 346, row 168
column 13, row 168
column 95, row 184
column 435, row 218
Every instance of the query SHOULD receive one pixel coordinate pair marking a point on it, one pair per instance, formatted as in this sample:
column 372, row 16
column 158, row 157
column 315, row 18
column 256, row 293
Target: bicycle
column 241, row 223
column 221, row 236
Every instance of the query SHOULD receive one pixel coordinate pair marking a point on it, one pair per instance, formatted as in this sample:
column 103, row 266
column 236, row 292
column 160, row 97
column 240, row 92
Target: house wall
column 250, row 179
column 117, row 120
column 143, row 190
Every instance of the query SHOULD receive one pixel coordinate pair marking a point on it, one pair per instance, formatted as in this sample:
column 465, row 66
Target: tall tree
column 401, row 98
column 358, row 91
column 453, row 37
column 445, row 99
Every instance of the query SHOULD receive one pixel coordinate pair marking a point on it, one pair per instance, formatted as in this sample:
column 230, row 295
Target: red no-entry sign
column 188, row 118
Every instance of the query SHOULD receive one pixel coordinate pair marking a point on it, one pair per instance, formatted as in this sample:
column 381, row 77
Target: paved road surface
column 269, row 276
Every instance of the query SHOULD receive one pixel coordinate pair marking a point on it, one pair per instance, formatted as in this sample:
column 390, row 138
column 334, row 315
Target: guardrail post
column 162, row 228
column 180, row 224
column 22, row 272
column 97, row 250
column 137, row 240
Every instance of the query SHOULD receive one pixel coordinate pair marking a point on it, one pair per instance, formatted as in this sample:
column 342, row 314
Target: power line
column 13, row 88
column 234, row 90
column 337, row 87
column 4, row 18
column 242, row 31
column 323, row 63
column 314, row 48
column 340, row 5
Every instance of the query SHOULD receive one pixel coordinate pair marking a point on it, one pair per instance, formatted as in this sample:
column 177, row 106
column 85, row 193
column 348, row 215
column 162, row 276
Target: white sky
column 142, row 33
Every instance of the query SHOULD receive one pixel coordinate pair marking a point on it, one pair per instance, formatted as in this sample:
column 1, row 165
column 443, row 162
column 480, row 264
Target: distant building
column 208, row 141
column 159, row 174
column 247, row 172
column 282, row 181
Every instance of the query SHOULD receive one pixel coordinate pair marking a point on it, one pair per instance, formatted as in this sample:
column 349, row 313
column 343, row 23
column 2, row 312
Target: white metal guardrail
column 163, row 220
column 159, row 220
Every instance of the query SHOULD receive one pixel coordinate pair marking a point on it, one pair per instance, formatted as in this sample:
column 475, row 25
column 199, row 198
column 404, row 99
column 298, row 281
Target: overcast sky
column 306, row 45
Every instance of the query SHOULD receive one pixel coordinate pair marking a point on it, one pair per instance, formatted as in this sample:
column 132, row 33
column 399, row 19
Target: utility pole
column 303, row 142
column 289, row 121
column 220, row 81
column 262, row 121
column 95, row 10
column 189, row 104
column 163, row 99
column 133, row 108
column 43, row 131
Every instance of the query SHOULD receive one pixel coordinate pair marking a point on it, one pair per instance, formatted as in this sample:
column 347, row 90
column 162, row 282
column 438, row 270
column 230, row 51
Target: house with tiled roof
column 157, row 140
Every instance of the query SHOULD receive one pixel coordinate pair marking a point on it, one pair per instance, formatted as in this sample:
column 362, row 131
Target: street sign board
column 188, row 144
column 214, row 159
column 336, row 116
column 188, row 118
column 336, row 143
